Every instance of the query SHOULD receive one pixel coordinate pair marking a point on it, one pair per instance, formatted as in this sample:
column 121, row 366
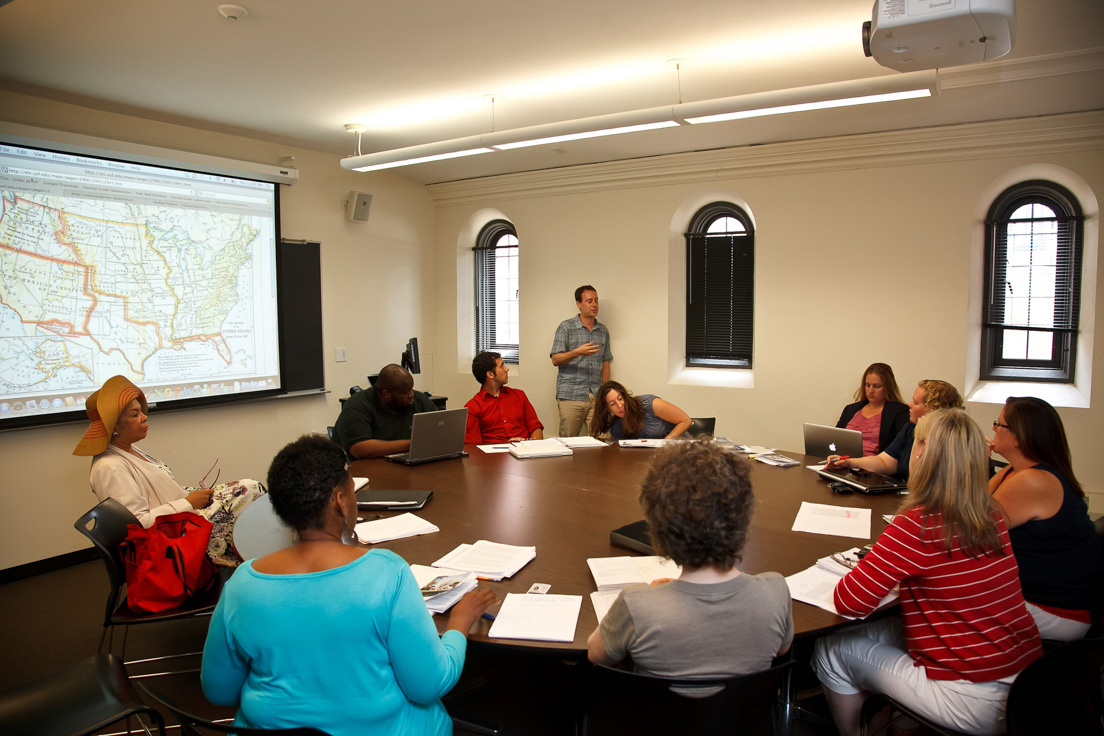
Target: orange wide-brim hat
column 104, row 407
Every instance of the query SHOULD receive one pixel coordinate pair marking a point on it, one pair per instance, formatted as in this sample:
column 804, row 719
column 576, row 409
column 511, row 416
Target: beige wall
column 374, row 276
column 863, row 253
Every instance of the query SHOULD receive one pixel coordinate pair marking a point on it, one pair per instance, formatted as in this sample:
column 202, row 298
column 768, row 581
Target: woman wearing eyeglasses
column 144, row 484
column 1052, row 537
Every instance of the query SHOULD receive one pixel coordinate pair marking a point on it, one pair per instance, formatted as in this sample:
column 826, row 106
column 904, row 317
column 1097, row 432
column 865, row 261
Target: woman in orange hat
column 144, row 484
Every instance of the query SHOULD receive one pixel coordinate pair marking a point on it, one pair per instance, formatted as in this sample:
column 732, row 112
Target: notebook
column 435, row 435
column 822, row 441
column 370, row 500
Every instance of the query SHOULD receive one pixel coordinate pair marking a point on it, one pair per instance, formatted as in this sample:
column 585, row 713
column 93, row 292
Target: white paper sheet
column 488, row 559
column 580, row 441
column 492, row 449
column 537, row 617
column 816, row 586
column 838, row 521
column 602, row 600
column 616, row 572
column 359, row 483
column 395, row 527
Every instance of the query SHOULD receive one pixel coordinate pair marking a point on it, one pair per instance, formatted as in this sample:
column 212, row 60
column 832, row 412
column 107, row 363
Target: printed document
column 614, row 573
column 838, row 521
column 537, row 617
column 396, row 527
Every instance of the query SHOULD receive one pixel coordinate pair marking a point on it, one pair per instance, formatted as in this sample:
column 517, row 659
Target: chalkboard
column 299, row 284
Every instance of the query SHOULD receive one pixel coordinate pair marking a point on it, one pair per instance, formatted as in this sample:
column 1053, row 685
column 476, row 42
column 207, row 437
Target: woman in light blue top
column 626, row 416
column 325, row 633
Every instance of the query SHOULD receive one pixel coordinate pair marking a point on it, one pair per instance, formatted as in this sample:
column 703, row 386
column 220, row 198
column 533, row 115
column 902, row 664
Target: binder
column 633, row 536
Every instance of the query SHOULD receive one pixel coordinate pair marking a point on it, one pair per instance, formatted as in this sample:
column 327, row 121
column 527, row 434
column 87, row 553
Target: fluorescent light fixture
column 588, row 134
column 805, row 106
column 421, row 159
column 777, row 102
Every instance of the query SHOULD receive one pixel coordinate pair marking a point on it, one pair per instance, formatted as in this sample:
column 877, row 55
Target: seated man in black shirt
column 376, row 421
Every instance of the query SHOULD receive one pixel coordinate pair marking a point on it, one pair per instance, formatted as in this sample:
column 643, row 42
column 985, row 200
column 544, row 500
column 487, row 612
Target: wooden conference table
column 567, row 506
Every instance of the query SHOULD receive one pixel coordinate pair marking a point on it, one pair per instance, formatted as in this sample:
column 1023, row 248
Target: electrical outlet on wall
column 341, row 357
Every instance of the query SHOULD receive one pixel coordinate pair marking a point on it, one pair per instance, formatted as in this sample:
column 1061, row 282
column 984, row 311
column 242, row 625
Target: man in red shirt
column 497, row 413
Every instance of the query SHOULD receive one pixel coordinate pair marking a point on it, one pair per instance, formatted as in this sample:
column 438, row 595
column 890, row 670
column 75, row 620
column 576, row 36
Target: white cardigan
column 143, row 487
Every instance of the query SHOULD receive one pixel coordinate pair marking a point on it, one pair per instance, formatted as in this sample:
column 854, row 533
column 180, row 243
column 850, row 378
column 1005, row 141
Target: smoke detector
column 232, row 12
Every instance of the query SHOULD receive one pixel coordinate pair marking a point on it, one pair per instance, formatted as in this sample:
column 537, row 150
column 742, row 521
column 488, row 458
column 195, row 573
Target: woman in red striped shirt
column 964, row 631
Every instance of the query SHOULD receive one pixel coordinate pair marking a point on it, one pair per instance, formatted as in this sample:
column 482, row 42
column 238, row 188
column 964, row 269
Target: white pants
column 1056, row 627
column 873, row 658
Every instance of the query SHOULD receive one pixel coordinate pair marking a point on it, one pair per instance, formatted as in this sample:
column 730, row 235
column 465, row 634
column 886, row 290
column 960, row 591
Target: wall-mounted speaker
column 357, row 208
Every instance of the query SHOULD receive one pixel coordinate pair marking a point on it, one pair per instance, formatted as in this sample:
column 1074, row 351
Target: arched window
column 1032, row 284
column 720, row 287
column 496, row 290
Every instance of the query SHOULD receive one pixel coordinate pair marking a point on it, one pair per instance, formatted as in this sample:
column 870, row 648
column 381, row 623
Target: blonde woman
column 929, row 395
column 964, row 632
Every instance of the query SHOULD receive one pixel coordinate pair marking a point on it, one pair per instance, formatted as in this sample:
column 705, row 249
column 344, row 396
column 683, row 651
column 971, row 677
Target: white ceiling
column 416, row 71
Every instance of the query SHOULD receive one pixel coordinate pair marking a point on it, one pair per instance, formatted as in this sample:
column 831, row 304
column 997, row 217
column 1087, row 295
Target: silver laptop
column 435, row 435
column 822, row 441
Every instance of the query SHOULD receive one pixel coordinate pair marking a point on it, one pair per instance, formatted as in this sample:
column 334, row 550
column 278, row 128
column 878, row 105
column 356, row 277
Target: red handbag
column 167, row 564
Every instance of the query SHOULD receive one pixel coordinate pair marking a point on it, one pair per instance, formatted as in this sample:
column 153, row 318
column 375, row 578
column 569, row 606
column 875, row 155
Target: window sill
column 1057, row 394
column 717, row 377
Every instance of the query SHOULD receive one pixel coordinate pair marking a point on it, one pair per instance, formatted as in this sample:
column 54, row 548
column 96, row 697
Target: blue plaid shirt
column 583, row 375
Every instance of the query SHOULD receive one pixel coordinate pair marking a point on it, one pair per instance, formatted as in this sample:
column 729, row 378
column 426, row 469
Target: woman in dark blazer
column 878, row 411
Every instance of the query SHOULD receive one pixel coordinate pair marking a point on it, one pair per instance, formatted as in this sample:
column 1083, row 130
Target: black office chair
column 106, row 526
column 620, row 701
column 702, row 426
column 1061, row 692
column 193, row 725
column 82, row 699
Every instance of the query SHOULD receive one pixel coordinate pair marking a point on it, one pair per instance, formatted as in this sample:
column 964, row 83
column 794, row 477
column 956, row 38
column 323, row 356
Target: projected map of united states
column 89, row 288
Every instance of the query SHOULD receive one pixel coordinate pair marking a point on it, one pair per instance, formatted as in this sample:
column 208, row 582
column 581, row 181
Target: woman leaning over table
column 1054, row 540
column 929, row 395
column 144, row 484
column 878, row 411
column 325, row 633
column 964, row 632
column 644, row 417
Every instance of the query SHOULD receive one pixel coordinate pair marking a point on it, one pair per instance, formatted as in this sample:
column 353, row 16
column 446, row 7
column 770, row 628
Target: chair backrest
column 193, row 725
column 259, row 531
column 702, row 426
column 619, row 701
column 106, row 525
column 1061, row 692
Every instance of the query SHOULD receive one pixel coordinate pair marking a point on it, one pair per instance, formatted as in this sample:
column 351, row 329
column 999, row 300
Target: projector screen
column 107, row 267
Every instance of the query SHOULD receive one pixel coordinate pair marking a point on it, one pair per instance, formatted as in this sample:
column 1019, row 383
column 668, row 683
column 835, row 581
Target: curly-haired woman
column 714, row 620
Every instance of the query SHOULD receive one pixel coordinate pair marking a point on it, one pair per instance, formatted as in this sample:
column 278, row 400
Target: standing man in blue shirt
column 581, row 350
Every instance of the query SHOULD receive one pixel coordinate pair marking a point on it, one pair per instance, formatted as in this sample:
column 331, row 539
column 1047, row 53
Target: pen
column 500, row 447
column 489, row 616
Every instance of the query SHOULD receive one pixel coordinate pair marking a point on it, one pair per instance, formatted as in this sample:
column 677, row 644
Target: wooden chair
column 82, row 699
column 619, row 701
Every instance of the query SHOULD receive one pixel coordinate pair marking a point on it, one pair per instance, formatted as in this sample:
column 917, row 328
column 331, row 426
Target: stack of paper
column 396, row 527
column 840, row 564
column 441, row 589
column 773, row 458
column 756, row 449
column 580, row 441
column 538, row 617
column 816, row 585
column 614, row 573
column 488, row 560
column 538, row 448
column 642, row 443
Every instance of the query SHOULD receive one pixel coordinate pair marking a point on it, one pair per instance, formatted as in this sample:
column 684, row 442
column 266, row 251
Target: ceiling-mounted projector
column 911, row 35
